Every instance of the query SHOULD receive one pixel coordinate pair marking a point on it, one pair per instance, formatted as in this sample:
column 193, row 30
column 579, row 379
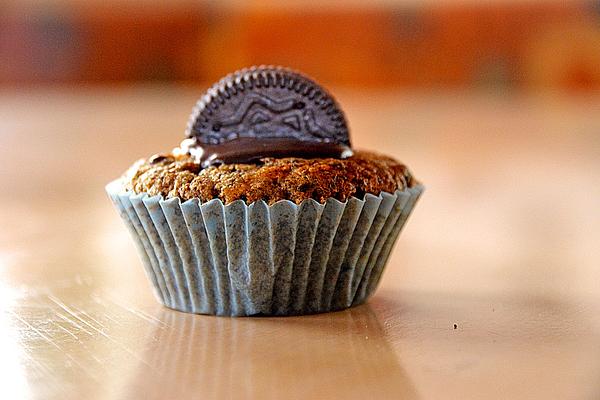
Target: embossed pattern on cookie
column 267, row 102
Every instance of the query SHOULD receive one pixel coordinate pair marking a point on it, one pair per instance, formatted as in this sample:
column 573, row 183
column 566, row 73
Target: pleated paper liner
column 283, row 259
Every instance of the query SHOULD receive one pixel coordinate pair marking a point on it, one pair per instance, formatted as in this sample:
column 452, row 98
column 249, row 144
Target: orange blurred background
column 523, row 45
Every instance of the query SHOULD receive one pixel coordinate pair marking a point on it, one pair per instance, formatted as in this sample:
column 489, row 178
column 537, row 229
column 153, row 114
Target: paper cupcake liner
column 283, row 259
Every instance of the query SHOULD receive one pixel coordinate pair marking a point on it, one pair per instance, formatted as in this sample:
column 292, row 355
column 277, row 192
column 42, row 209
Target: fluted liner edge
column 282, row 259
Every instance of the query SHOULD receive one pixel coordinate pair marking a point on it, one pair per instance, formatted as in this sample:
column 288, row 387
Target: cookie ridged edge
column 244, row 79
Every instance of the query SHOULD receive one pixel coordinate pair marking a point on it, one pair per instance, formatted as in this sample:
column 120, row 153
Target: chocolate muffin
column 270, row 180
column 265, row 208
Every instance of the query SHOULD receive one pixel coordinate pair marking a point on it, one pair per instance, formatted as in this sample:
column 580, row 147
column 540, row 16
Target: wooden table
column 492, row 291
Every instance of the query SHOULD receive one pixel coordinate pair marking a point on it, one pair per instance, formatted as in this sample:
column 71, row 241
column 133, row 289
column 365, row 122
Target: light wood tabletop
column 492, row 292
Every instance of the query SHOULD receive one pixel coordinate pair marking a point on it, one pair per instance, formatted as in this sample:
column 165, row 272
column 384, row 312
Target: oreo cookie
column 263, row 112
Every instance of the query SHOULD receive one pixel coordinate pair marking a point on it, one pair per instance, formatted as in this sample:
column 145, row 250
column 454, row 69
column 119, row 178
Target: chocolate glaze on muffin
column 271, row 180
column 266, row 111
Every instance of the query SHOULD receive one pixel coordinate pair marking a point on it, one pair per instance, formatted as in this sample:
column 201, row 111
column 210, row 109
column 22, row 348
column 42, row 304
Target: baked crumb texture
column 293, row 179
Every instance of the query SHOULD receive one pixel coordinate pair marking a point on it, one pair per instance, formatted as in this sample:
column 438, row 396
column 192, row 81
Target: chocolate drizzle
column 266, row 112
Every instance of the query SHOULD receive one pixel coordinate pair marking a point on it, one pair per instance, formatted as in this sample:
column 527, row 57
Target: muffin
column 265, row 208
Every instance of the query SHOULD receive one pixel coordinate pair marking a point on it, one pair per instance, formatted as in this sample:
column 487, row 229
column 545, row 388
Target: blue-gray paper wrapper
column 282, row 259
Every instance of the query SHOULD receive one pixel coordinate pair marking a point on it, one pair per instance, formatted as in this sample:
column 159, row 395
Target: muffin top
column 267, row 133
column 270, row 179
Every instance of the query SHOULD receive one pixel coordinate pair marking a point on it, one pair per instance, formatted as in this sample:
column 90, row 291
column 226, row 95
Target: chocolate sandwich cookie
column 267, row 112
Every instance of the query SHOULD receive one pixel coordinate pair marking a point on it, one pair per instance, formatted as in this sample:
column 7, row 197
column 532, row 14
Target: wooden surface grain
column 491, row 292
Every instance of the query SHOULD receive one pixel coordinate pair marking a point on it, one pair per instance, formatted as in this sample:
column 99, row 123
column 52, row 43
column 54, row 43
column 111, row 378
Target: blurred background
column 499, row 45
column 494, row 105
